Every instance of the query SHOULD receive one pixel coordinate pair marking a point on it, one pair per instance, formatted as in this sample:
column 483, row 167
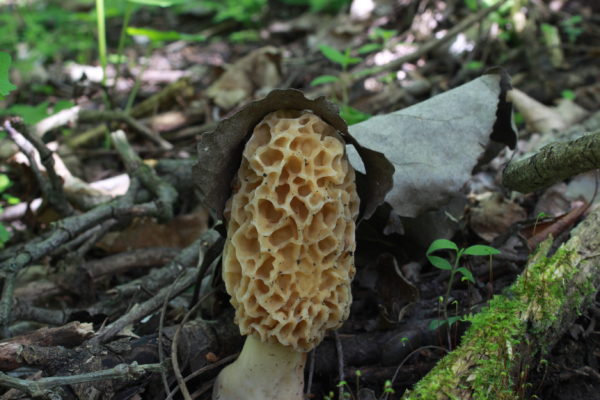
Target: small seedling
column 572, row 27
column 344, row 60
column 454, row 268
column 568, row 94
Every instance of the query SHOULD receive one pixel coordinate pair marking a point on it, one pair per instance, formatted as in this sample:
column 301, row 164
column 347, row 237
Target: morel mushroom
column 289, row 257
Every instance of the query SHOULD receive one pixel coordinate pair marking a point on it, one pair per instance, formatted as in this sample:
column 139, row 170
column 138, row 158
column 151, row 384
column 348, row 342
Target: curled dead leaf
column 219, row 151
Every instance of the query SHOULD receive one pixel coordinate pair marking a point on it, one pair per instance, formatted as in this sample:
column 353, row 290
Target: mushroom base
column 263, row 371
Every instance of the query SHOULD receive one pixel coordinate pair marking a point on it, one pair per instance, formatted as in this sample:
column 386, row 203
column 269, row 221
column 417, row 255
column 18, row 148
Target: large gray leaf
column 435, row 145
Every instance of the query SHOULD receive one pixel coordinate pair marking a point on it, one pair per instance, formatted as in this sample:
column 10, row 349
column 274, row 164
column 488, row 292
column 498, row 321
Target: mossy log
column 514, row 332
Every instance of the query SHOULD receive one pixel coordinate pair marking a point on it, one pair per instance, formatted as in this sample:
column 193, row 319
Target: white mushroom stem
column 263, row 371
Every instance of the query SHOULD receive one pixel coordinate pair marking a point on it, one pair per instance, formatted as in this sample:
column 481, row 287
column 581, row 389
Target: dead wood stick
column 71, row 334
column 165, row 193
column 505, row 340
column 70, row 227
column 32, row 147
column 554, row 163
column 44, row 386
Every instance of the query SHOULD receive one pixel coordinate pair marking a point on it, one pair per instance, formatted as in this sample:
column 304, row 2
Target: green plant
column 454, row 269
column 6, row 198
column 328, row 6
column 5, row 86
column 568, row 94
column 344, row 60
column 572, row 27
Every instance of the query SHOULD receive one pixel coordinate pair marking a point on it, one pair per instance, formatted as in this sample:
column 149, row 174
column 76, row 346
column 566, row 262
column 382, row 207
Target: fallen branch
column 554, row 163
column 508, row 338
column 44, row 386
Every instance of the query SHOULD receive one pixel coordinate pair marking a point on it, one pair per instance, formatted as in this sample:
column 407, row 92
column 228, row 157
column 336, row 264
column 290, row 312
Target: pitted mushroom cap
column 289, row 257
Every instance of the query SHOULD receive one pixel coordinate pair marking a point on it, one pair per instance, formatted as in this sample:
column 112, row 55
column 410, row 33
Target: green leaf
column 440, row 262
column 481, row 250
column 320, row 80
column 353, row 116
column 30, row 114
column 369, row 48
column 466, row 274
column 333, row 54
column 62, row 105
column 163, row 36
column 452, row 320
column 158, row 3
column 474, row 65
column 4, row 235
column 436, row 323
column 4, row 182
column 5, row 86
column 441, row 244
column 568, row 94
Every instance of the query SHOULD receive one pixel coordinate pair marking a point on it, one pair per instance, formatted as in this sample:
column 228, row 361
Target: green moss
column 488, row 365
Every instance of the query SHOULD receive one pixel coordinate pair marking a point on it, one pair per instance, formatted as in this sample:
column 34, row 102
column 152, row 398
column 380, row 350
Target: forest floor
column 103, row 263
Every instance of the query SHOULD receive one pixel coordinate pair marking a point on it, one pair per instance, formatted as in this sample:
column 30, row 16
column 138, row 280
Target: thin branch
column 43, row 386
column 554, row 163
column 165, row 193
column 52, row 187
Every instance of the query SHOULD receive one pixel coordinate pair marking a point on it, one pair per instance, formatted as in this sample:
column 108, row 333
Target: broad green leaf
column 158, row 3
column 163, row 36
column 5, row 86
column 353, row 116
column 369, row 48
column 11, row 200
column 320, row 80
column 62, row 105
column 466, row 274
column 452, row 320
column 436, row 323
column 4, row 182
column 441, row 244
column 30, row 114
column 481, row 250
column 4, row 235
column 153, row 34
column 439, row 262
column 333, row 54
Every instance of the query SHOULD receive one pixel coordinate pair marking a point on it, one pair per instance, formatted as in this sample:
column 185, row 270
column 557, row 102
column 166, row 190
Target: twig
column 174, row 359
column 161, row 325
column 6, row 303
column 554, row 163
column 95, row 115
column 139, row 311
column 340, row 357
column 160, row 277
column 409, row 356
column 311, row 371
column 70, row 227
column 43, row 386
column 165, row 193
column 52, row 187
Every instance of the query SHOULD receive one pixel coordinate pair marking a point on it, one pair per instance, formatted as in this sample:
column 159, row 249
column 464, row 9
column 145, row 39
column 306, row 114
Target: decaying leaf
column 492, row 214
column 179, row 232
column 219, row 152
column 435, row 145
column 259, row 70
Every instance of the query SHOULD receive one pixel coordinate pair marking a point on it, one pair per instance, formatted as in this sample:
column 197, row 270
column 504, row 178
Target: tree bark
column 514, row 332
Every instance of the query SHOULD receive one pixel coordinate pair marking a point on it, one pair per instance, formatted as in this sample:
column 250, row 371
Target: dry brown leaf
column 179, row 232
column 258, row 71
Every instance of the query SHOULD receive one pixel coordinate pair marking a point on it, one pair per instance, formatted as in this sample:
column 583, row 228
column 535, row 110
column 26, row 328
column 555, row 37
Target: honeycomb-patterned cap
column 289, row 257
